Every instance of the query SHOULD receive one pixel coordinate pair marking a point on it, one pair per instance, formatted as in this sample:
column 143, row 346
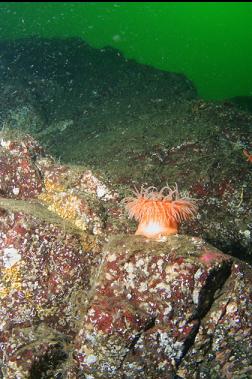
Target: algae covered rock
column 139, row 309
column 222, row 347
column 143, row 309
column 146, row 313
column 44, row 265
column 77, row 301
column 19, row 175
column 24, row 118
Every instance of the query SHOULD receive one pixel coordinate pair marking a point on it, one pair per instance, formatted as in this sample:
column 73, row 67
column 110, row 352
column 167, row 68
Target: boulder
column 79, row 300
column 161, row 309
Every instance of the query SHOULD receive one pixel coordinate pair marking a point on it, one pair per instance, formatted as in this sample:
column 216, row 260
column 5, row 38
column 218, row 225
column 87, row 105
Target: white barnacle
column 198, row 274
column 90, row 359
column 160, row 264
column 195, row 296
column 140, row 262
column 15, row 190
column 101, row 191
column 10, row 256
column 143, row 287
column 111, row 258
column 129, row 267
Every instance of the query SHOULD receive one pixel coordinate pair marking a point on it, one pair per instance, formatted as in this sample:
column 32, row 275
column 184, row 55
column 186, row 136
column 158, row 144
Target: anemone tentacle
column 155, row 210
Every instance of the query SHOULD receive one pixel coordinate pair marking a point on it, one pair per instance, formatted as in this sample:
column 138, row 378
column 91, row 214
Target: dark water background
column 211, row 43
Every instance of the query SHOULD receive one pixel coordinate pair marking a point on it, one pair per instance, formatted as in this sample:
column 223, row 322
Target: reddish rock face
column 42, row 268
column 148, row 306
column 19, row 176
column 147, row 310
column 138, row 309
column 222, row 346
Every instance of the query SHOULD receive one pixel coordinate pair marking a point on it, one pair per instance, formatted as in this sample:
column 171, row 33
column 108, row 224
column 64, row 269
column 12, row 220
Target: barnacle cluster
column 70, row 206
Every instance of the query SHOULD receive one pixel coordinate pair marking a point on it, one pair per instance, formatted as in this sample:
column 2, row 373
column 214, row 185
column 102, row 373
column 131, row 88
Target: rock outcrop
column 79, row 300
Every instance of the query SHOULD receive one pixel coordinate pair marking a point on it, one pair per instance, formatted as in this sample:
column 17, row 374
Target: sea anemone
column 159, row 213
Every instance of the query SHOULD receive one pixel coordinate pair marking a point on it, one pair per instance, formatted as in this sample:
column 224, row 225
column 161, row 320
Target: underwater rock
column 152, row 300
column 16, row 96
column 23, row 118
column 137, row 309
column 19, row 176
column 244, row 102
column 58, row 66
column 45, row 273
column 222, row 347
column 136, row 125
column 76, row 195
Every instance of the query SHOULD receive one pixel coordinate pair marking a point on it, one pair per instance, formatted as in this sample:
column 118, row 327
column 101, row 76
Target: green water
column 211, row 43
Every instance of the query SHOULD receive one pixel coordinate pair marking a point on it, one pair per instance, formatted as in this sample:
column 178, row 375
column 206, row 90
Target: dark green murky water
column 211, row 43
